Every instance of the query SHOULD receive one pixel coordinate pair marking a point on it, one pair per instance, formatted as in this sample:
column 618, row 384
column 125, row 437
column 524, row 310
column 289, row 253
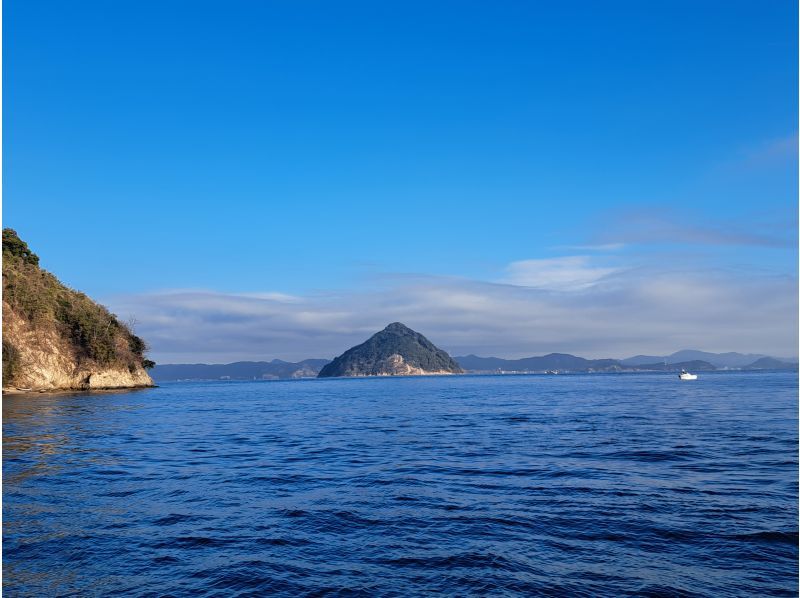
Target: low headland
column 58, row 339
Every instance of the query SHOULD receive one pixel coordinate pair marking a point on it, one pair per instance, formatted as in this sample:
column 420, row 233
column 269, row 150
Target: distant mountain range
column 686, row 359
column 719, row 360
column 770, row 363
column 553, row 361
column 563, row 362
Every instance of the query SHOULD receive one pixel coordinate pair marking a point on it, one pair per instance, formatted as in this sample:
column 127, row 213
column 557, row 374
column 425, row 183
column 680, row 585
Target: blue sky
column 331, row 151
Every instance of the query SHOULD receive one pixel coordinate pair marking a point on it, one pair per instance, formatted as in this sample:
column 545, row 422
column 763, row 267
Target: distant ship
column 551, row 372
column 684, row 375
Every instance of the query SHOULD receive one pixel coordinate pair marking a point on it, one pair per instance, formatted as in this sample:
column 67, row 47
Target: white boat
column 684, row 375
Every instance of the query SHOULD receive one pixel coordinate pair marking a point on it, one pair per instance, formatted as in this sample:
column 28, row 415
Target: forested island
column 394, row 351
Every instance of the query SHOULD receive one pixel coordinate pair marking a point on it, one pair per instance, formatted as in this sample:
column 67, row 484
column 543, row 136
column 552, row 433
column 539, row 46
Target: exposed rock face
column 395, row 365
column 45, row 361
column 55, row 338
column 394, row 351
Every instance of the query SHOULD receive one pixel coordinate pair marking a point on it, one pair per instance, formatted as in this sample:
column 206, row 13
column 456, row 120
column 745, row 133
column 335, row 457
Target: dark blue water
column 595, row 485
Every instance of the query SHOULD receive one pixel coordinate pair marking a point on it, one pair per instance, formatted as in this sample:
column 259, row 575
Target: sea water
column 569, row 485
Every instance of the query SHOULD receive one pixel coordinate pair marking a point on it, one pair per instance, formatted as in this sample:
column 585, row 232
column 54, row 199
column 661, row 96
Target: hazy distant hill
column 690, row 366
column 720, row 360
column 394, row 351
column 643, row 359
column 240, row 370
column 770, row 363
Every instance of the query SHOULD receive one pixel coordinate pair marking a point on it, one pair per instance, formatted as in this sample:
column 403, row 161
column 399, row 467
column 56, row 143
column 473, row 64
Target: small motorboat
column 684, row 375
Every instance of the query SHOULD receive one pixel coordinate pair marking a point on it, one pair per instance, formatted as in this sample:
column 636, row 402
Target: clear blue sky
column 245, row 146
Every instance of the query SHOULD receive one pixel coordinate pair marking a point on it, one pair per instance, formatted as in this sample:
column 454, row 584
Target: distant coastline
column 561, row 362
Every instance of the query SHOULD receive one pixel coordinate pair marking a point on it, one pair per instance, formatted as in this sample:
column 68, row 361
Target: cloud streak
column 676, row 228
column 563, row 304
column 560, row 274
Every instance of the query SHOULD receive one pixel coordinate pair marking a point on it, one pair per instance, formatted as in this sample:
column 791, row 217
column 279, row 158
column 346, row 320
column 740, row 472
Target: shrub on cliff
column 16, row 247
column 10, row 360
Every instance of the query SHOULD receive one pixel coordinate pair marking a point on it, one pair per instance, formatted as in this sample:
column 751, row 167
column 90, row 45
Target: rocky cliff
column 394, row 351
column 55, row 338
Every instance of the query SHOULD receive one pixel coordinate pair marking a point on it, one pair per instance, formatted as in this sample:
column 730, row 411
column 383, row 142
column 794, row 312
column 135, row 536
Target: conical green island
column 394, row 351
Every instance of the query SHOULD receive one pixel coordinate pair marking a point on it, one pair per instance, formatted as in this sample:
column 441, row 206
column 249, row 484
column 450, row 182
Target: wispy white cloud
column 570, row 304
column 602, row 247
column 778, row 151
column 568, row 273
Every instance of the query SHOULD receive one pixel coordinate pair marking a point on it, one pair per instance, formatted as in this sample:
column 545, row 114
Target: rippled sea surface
column 592, row 485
